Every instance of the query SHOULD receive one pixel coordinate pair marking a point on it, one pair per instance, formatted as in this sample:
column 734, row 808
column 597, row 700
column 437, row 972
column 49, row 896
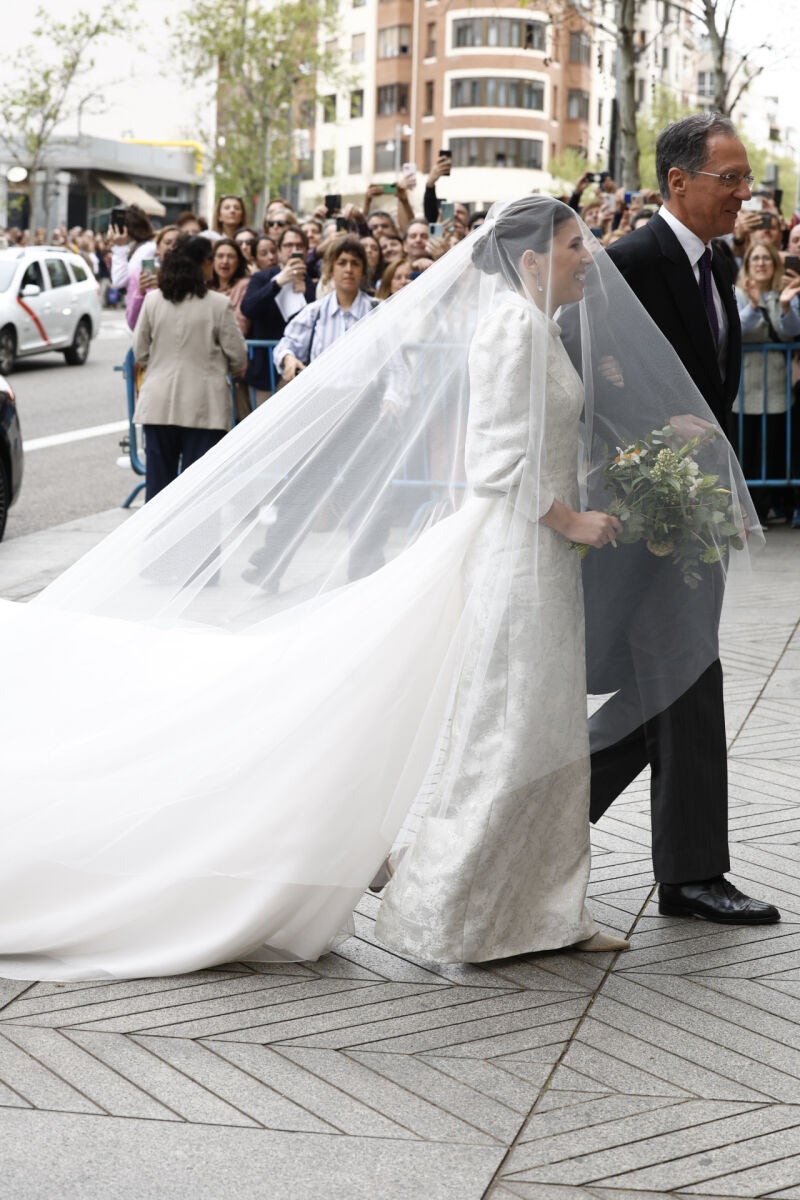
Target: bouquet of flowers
column 662, row 496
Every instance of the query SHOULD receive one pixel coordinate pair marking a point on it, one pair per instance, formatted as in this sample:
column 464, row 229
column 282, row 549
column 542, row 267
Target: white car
column 49, row 300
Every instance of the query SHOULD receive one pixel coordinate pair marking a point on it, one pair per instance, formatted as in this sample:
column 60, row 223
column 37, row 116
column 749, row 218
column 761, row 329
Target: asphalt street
column 70, row 467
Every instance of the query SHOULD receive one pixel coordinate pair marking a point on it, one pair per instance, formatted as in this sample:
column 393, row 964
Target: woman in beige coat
column 189, row 342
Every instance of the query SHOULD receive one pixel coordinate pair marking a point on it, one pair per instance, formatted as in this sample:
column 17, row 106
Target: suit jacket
column 188, row 349
column 655, row 266
column 267, row 322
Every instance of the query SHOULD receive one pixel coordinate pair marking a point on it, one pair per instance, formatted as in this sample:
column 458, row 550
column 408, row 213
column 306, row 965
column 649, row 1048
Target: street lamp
column 400, row 131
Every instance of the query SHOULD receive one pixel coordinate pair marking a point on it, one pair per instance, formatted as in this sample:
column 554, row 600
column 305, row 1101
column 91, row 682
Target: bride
column 200, row 770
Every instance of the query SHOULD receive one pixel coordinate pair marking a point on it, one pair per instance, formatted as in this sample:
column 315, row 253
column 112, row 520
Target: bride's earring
column 537, row 277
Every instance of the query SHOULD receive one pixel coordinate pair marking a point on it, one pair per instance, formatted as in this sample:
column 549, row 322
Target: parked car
column 49, row 300
column 10, row 451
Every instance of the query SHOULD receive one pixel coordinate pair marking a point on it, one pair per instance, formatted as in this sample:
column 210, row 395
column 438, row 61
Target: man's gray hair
column 684, row 144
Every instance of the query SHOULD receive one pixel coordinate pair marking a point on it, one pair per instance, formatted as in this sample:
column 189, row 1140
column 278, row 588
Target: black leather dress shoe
column 714, row 900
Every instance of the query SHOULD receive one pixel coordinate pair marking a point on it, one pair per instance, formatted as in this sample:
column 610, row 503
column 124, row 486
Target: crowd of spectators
column 302, row 280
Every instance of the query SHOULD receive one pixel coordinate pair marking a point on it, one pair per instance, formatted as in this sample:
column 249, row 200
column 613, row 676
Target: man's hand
column 118, row 235
column 291, row 367
column 373, row 191
column 611, row 370
column 688, row 426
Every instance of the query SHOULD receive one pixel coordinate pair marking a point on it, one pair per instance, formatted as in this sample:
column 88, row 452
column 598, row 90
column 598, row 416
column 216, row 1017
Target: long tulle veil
column 197, row 735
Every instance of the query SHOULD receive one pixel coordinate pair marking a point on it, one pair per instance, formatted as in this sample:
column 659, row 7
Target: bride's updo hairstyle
column 526, row 224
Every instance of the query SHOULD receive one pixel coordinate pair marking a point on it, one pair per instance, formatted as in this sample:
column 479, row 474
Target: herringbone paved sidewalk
column 671, row 1070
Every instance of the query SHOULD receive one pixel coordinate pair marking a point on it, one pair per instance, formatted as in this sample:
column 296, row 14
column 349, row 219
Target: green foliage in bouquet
column 662, row 496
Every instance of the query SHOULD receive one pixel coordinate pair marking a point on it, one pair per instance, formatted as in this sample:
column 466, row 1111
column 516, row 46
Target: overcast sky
column 140, row 101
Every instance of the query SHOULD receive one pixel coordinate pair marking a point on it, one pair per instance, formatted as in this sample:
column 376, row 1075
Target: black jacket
column 266, row 321
column 655, row 266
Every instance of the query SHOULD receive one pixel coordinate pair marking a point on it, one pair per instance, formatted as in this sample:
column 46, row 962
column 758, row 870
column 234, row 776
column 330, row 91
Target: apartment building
column 503, row 87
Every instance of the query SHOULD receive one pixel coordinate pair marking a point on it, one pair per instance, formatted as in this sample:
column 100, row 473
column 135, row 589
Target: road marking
column 73, row 435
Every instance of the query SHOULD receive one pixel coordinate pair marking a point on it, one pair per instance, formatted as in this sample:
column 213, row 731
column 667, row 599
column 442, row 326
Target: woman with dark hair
column 130, row 244
column 230, row 215
column 188, row 340
column 246, row 239
column 231, row 277
column 375, row 263
column 265, row 252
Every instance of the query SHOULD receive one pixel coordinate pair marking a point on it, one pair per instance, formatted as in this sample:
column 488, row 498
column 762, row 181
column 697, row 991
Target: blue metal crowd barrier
column 256, row 344
column 763, row 479
column 128, row 370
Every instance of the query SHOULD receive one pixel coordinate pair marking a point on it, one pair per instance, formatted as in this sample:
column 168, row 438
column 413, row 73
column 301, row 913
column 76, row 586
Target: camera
column 598, row 176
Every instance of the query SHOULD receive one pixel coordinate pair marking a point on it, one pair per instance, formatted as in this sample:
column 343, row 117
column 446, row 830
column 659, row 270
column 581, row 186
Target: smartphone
column 149, row 266
column 342, row 225
column 792, row 263
column 597, row 176
column 297, row 254
column 333, row 204
column 410, row 169
column 754, row 204
column 436, row 229
column 389, row 189
column 630, row 196
column 766, row 221
column 445, row 154
column 119, row 217
column 448, row 210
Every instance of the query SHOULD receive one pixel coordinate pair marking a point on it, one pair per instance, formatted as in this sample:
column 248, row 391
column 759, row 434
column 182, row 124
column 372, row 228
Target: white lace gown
column 505, row 871
column 174, row 798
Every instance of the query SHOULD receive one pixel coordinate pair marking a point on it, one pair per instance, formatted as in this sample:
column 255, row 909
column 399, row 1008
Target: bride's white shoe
column 602, row 941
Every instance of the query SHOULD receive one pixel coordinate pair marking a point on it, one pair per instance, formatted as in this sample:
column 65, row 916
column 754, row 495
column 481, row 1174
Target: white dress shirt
column 694, row 248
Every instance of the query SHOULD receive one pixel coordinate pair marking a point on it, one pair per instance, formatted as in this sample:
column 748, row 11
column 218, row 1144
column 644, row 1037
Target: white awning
column 131, row 193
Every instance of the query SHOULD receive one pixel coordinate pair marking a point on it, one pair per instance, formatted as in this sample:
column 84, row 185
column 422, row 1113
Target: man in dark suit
column 704, row 175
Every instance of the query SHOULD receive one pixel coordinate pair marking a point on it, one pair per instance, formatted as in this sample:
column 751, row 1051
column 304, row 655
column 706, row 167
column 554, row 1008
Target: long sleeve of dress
column 501, row 454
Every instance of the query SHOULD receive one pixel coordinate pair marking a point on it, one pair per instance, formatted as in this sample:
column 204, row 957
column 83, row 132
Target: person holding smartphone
column 273, row 297
column 132, row 240
column 143, row 279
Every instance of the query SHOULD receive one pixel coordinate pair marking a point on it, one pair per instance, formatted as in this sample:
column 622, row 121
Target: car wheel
column 8, row 350
column 78, row 352
column 5, row 497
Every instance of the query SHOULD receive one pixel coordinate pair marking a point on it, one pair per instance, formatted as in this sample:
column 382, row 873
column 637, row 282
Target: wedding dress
column 198, row 770
column 506, row 871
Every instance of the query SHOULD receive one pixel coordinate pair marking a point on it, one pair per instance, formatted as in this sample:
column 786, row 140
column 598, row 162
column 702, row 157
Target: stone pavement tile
column 80, row 1157
column 551, row 971
column 9, row 990
column 137, row 999
column 740, row 951
column 500, row 1026
column 424, row 1077
column 554, row 1099
column 664, row 1150
column 559, row 1129
column 749, row 1164
column 29, row 563
column 392, row 1010
column 410, row 1109
column 50, row 1071
column 514, row 1084
column 675, row 946
column 704, row 1053
column 299, row 1082
column 761, row 782
column 243, row 1010
column 744, row 1014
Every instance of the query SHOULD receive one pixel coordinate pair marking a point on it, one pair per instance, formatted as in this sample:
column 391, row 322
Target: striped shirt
column 318, row 326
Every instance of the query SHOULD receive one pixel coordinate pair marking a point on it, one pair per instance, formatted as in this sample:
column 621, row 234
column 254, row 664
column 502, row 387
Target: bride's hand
column 585, row 529
column 596, row 529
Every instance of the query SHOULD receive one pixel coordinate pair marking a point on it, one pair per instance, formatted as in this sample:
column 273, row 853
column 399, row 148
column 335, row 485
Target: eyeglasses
column 730, row 180
column 280, row 223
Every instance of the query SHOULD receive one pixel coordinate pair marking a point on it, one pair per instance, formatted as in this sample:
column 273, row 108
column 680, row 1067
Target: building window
column 386, row 156
column 665, row 58
column 308, row 110
column 525, row 153
column 429, row 96
column 427, row 155
column 394, row 42
column 504, row 32
column 328, row 162
column 354, row 160
column 705, row 84
column 577, row 105
column 430, row 43
column 328, row 109
column 357, row 47
column 599, row 112
column 497, row 93
column 580, row 48
column 393, row 98
column 356, row 104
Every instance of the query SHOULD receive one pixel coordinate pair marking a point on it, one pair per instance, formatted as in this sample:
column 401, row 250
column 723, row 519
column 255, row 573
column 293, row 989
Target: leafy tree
column 265, row 61
column 41, row 86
